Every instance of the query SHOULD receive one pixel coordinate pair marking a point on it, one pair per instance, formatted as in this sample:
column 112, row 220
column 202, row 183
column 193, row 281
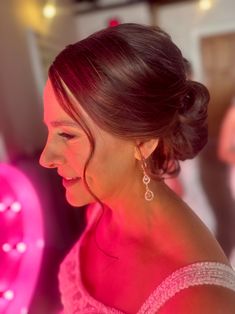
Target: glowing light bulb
column 16, row 207
column 49, row 10
column 21, row 247
column 6, row 247
column 2, row 207
column 205, row 4
column 8, row 295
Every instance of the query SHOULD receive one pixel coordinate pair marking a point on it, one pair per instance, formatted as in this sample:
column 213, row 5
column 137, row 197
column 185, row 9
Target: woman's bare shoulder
column 191, row 238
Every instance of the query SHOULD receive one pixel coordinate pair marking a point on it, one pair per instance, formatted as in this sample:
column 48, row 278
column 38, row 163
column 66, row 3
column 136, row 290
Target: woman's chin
column 76, row 201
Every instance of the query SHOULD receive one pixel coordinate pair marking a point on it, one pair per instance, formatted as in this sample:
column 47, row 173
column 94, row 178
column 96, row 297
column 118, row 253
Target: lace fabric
column 76, row 299
column 74, row 296
column 201, row 273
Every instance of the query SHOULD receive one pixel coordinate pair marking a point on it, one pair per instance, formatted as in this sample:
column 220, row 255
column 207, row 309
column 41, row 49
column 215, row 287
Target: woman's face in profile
column 111, row 170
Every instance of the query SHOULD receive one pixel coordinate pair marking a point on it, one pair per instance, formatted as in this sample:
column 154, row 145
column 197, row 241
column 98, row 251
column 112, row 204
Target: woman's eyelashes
column 66, row 136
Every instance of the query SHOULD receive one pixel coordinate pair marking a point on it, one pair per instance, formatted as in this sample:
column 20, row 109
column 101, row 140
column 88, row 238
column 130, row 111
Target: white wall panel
column 186, row 24
column 91, row 22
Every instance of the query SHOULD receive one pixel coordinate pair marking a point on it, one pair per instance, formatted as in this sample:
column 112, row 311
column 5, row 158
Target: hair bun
column 191, row 131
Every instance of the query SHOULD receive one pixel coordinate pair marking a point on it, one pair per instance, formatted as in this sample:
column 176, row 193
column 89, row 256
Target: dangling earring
column 146, row 180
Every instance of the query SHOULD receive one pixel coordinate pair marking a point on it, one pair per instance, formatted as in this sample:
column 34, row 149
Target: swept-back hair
column 131, row 80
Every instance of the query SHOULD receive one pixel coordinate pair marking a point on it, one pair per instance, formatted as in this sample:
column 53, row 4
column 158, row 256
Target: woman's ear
column 144, row 149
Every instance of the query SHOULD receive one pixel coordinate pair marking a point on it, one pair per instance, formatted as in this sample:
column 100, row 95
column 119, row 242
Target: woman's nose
column 49, row 159
column 44, row 161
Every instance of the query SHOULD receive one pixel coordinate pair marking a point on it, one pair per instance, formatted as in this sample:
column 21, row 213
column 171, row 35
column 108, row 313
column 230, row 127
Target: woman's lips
column 69, row 182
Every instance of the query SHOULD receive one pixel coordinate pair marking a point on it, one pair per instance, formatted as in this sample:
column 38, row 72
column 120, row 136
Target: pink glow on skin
column 114, row 174
column 22, row 228
column 68, row 148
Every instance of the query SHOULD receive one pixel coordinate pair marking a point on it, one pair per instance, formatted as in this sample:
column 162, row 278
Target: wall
column 186, row 23
column 20, row 94
column 90, row 22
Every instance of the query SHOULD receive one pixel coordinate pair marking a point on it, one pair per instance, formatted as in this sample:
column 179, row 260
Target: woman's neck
column 132, row 219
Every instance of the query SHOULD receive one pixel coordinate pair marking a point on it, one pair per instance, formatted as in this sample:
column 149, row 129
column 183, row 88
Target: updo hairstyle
column 131, row 80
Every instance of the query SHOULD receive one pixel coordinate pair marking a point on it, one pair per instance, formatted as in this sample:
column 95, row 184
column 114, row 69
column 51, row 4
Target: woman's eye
column 66, row 135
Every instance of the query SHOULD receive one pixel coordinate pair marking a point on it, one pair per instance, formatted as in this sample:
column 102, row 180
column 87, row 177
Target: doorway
column 218, row 67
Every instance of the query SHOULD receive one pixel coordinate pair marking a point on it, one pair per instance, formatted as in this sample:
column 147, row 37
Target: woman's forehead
column 52, row 108
column 54, row 112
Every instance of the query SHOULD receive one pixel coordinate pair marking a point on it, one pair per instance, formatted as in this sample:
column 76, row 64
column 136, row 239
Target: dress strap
column 201, row 273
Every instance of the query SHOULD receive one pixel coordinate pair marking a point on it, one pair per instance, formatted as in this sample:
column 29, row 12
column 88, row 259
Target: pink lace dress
column 76, row 299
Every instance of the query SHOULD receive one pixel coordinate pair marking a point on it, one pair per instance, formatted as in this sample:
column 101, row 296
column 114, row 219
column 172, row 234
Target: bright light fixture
column 205, row 4
column 16, row 207
column 8, row 295
column 2, row 207
column 6, row 247
column 21, row 247
column 49, row 10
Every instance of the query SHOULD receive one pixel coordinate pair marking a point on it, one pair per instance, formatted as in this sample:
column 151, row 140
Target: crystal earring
column 146, row 180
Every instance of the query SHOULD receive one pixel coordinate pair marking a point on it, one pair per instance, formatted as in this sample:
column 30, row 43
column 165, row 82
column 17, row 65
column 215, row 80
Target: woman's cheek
column 77, row 156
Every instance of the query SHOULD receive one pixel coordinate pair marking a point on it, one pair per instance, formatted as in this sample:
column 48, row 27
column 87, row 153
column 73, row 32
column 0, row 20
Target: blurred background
column 32, row 32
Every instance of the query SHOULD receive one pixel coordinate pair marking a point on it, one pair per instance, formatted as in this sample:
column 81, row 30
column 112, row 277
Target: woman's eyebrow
column 59, row 123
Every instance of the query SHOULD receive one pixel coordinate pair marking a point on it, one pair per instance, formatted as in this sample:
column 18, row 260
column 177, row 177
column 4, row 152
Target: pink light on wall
column 21, row 240
column 113, row 22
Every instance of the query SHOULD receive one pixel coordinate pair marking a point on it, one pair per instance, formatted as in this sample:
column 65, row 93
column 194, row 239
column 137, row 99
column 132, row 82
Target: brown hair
column 130, row 79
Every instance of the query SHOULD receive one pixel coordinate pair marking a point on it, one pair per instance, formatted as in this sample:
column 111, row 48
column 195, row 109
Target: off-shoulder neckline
column 108, row 309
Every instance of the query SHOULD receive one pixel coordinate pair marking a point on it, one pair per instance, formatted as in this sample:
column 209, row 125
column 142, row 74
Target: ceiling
column 94, row 5
column 131, row 1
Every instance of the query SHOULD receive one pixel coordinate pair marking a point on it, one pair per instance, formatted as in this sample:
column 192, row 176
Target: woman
column 120, row 114
column 226, row 146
